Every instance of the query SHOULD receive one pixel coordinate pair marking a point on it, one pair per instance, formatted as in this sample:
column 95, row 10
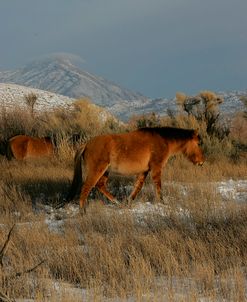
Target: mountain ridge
column 59, row 74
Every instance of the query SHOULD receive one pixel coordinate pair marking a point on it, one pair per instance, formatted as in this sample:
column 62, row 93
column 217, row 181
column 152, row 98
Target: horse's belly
column 129, row 167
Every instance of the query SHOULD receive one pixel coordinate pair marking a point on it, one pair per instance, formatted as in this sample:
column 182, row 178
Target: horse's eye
column 199, row 140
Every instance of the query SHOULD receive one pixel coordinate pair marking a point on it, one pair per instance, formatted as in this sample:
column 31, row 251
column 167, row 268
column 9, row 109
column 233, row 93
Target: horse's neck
column 176, row 146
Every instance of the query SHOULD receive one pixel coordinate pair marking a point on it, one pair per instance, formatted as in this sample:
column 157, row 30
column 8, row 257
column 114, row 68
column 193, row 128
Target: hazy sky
column 156, row 47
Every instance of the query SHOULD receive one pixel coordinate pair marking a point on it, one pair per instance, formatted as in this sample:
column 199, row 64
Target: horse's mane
column 170, row 132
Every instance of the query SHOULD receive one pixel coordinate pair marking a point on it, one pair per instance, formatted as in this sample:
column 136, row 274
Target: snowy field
column 228, row 191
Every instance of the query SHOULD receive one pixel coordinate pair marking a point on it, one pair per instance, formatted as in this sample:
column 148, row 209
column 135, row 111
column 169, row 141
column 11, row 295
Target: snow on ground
column 235, row 190
column 12, row 96
column 55, row 219
column 229, row 190
column 61, row 291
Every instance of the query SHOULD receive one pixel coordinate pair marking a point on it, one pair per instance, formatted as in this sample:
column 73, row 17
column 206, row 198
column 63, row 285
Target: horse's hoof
column 82, row 211
column 116, row 202
column 129, row 201
column 60, row 204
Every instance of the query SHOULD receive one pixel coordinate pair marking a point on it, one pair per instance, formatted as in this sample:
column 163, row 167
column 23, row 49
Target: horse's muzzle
column 200, row 163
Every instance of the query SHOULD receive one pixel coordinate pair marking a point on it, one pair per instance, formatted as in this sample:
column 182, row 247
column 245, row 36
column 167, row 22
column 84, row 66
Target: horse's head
column 193, row 150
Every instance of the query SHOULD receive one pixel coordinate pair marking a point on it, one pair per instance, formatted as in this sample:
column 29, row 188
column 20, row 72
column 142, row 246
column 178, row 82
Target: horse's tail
column 77, row 178
column 9, row 152
column 3, row 144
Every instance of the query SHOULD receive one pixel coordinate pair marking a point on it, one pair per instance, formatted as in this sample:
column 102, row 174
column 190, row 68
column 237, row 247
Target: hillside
column 12, row 96
column 60, row 75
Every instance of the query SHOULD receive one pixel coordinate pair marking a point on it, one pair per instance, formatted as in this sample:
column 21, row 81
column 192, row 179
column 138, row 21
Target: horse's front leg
column 138, row 185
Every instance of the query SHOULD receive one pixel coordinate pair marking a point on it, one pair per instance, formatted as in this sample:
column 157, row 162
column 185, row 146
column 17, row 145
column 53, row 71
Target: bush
column 80, row 121
column 205, row 108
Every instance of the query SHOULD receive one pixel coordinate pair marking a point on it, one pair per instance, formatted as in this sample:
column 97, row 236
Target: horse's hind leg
column 101, row 185
column 90, row 182
column 156, row 176
column 138, row 185
column 86, row 189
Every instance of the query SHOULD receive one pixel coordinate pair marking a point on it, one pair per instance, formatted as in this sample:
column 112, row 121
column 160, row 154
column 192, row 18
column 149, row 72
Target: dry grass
column 82, row 118
column 193, row 247
column 239, row 128
column 111, row 252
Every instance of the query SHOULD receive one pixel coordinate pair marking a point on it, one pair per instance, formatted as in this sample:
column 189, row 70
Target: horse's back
column 23, row 146
column 39, row 147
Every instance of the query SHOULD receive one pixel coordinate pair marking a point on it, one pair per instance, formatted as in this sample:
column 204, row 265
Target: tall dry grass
column 112, row 252
column 194, row 247
column 81, row 120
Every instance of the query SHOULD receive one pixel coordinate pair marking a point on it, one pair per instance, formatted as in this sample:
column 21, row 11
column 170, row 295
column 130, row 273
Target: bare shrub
column 204, row 107
column 31, row 100
column 16, row 121
column 244, row 100
column 145, row 120
column 239, row 128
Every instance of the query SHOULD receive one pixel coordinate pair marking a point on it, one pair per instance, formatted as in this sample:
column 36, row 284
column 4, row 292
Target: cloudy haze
column 154, row 47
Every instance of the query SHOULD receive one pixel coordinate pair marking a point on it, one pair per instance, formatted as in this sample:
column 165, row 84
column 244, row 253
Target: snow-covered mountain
column 59, row 74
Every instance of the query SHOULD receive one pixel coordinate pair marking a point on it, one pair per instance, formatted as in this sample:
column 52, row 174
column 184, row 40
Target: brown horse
column 134, row 153
column 22, row 146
